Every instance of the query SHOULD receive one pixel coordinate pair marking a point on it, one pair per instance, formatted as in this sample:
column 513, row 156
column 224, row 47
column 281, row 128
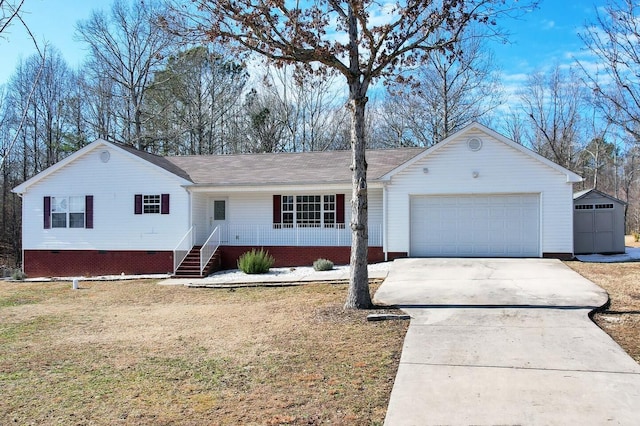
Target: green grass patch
column 11, row 332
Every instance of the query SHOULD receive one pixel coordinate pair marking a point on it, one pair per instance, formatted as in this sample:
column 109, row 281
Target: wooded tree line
column 161, row 92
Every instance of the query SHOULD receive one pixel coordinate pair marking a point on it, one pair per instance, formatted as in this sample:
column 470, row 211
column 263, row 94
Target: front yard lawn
column 134, row 352
column 622, row 319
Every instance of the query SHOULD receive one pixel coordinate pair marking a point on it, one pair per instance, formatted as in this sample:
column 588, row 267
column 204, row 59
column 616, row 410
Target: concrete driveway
column 505, row 342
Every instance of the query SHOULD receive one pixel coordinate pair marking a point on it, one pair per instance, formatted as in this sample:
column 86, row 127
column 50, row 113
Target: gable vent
column 104, row 156
column 474, row 144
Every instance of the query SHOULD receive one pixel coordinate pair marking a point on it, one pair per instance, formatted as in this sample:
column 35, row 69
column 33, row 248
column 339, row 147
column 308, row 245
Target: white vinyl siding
column 113, row 185
column 250, row 215
column 499, row 169
column 199, row 216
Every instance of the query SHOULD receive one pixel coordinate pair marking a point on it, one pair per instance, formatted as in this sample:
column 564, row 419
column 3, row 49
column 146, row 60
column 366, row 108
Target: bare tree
column 613, row 76
column 11, row 124
column 629, row 179
column 456, row 88
column 9, row 11
column 77, row 108
column 310, row 106
column 552, row 104
column 192, row 98
column 125, row 46
column 362, row 40
column 51, row 95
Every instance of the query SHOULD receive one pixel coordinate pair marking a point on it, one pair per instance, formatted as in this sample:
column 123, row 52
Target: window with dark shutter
column 151, row 204
column 68, row 212
column 308, row 211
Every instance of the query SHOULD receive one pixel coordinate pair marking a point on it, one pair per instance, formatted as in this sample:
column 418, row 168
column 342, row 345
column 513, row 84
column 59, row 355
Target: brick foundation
column 68, row 263
column 298, row 256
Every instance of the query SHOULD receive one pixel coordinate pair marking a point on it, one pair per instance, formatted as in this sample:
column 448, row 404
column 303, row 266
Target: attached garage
column 478, row 194
column 598, row 223
column 488, row 225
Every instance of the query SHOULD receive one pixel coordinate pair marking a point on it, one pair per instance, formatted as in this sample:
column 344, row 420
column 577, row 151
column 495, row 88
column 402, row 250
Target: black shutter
column 47, row 212
column 164, row 204
column 137, row 204
column 340, row 209
column 88, row 211
column 277, row 209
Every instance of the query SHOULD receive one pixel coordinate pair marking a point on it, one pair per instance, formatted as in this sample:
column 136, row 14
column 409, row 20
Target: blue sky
column 538, row 40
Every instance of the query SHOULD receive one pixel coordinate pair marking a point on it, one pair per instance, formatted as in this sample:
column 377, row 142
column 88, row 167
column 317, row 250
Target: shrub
column 323, row 265
column 255, row 262
column 636, row 236
column 18, row 275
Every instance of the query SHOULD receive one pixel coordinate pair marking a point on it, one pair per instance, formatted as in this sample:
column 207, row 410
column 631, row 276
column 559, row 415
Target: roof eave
column 23, row 187
column 278, row 186
column 571, row 176
column 586, row 192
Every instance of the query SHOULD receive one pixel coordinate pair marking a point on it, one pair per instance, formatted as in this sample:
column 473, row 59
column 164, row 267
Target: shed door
column 604, row 231
column 584, row 229
column 475, row 225
column 594, row 228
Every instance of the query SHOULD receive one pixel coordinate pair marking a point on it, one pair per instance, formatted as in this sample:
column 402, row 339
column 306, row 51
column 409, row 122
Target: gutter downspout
column 384, row 221
column 20, row 194
column 190, row 211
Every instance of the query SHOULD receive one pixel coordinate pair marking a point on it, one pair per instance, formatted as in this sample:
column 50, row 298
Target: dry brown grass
column 630, row 241
column 134, row 352
column 622, row 319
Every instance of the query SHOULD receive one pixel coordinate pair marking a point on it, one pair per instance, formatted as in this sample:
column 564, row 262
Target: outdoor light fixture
column 425, row 170
column 475, row 174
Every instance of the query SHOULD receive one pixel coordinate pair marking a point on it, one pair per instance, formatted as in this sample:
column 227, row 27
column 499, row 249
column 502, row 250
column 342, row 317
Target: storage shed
column 598, row 223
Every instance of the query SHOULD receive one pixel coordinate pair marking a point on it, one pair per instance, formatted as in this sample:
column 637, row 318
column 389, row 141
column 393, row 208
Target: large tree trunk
column 358, row 296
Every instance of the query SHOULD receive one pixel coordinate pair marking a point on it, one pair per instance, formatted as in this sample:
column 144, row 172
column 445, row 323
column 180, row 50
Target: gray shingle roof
column 287, row 168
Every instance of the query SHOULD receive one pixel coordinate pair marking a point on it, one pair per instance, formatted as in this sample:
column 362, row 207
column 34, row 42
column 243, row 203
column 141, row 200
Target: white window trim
column 294, row 212
column 67, row 211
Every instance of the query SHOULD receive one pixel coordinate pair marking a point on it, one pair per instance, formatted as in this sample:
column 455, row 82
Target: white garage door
column 475, row 225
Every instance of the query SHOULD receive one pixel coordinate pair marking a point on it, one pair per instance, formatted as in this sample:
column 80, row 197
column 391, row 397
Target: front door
column 218, row 216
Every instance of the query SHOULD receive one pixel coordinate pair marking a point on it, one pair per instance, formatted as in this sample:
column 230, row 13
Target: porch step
column 190, row 266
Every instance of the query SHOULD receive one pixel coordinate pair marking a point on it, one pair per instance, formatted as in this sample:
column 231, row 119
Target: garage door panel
column 473, row 226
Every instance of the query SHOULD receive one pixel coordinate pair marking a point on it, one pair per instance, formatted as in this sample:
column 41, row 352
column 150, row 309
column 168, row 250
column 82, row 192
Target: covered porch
column 295, row 229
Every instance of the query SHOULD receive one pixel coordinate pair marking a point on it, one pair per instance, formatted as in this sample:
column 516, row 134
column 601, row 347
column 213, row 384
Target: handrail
column 260, row 235
column 209, row 248
column 183, row 248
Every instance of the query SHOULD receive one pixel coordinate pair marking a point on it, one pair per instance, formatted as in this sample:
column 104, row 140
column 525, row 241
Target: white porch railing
column 272, row 235
column 209, row 248
column 183, row 248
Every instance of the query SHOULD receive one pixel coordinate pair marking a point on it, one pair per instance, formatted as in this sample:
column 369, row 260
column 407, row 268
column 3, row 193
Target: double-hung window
column 68, row 212
column 151, row 204
column 308, row 211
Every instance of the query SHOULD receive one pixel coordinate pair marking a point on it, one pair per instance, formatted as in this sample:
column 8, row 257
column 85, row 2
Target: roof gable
column 571, row 176
column 588, row 193
column 149, row 159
